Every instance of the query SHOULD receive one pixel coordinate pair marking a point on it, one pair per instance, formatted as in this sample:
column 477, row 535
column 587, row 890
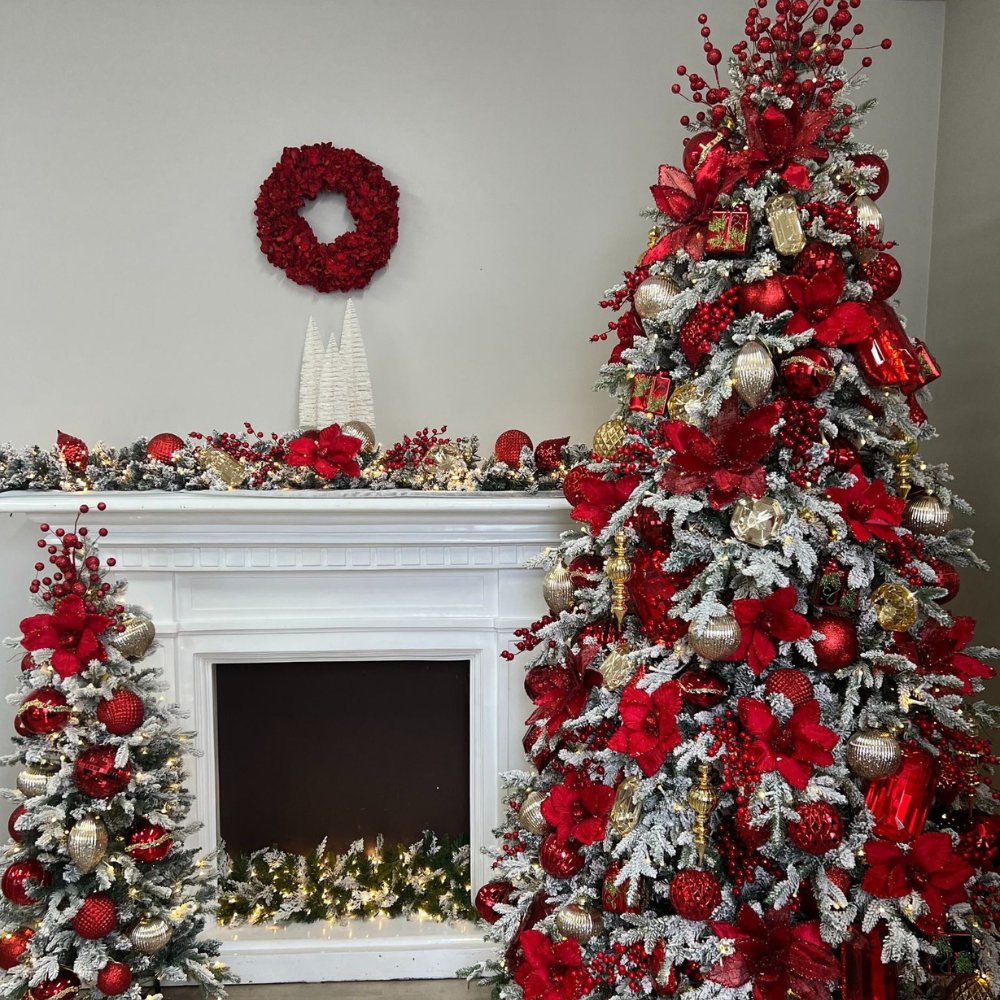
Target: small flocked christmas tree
column 759, row 762
column 99, row 892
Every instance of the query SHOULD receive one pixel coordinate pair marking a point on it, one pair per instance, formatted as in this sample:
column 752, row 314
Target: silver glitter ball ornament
column 753, row 372
column 717, row 639
column 136, row 638
column 579, row 922
column 873, row 753
column 87, row 843
column 150, row 935
column 757, row 522
column 33, row 781
column 654, row 295
column 530, row 814
column 558, row 589
column 926, row 515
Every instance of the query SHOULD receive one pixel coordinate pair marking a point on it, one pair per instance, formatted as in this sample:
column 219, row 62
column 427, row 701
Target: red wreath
column 288, row 241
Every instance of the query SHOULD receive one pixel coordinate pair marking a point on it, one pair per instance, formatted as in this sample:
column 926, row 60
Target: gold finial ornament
column 618, row 569
column 904, row 460
column 609, row 437
column 702, row 799
column 626, row 810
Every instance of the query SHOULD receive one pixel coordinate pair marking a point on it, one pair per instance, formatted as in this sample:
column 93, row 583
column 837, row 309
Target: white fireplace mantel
column 290, row 576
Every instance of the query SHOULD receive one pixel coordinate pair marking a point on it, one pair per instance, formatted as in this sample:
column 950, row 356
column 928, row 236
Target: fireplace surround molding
column 300, row 576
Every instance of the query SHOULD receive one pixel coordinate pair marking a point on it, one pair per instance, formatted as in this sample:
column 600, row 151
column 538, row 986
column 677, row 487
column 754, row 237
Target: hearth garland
column 99, row 893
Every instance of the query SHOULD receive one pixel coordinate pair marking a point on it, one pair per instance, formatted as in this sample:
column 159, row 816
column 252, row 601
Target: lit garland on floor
column 428, row 880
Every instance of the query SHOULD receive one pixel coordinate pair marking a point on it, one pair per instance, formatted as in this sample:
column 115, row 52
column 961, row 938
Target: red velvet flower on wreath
column 329, row 452
column 72, row 631
column 727, row 459
column 287, row 240
column 579, row 809
column 600, row 498
column 765, row 620
column 779, row 956
column 792, row 749
column 930, row 867
column 869, row 510
column 551, row 971
column 649, row 725
column 817, row 299
column 937, row 649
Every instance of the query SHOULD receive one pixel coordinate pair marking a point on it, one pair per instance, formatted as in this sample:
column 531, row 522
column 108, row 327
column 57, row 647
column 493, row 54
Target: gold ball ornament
column 150, row 935
column 445, row 459
column 609, row 437
column 231, row 472
column 87, row 843
column 626, row 809
column 687, row 403
column 926, row 515
column 895, row 607
column 654, row 295
column 753, row 372
column 33, row 780
column 359, row 429
column 969, row 987
column 579, row 922
column 873, row 753
column 616, row 669
column 757, row 522
column 530, row 814
column 717, row 638
column 138, row 635
column 558, row 589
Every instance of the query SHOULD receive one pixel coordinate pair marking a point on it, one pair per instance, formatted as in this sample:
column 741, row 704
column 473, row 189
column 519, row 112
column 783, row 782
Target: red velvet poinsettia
column 792, row 749
column 550, row 971
column 727, row 459
column 937, row 649
column 869, row 510
column 778, row 138
column 652, row 591
column 817, row 299
column 328, row 452
column 579, row 808
column 600, row 498
column 930, row 867
column 764, row 622
column 564, row 690
column 72, row 631
column 780, row 957
column 649, row 725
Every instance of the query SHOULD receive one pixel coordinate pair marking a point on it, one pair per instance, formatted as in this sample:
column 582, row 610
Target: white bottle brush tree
column 99, row 893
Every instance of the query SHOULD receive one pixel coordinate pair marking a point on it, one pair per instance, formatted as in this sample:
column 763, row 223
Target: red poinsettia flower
column 652, row 591
column 727, row 459
column 930, row 867
column 780, row 957
column 564, row 689
column 937, row 649
column 579, row 809
column 600, row 498
column 328, row 452
column 649, row 725
column 816, row 299
column 791, row 749
column 764, row 620
column 72, row 631
column 870, row 511
column 551, row 971
column 777, row 138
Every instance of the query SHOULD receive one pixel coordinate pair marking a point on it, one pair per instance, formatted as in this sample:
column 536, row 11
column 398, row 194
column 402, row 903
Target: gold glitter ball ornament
column 969, row 987
column 87, row 843
column 150, row 935
column 136, row 638
column 757, row 522
column 926, row 515
column 654, row 295
column 717, row 638
column 686, row 403
column 895, row 607
column 626, row 809
column 530, row 814
column 579, row 922
column 753, row 372
column 873, row 753
column 224, row 466
column 609, row 437
column 359, row 429
column 616, row 669
column 558, row 589
column 33, row 780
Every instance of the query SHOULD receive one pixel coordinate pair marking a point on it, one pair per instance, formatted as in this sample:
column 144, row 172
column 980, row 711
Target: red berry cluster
column 621, row 964
column 964, row 761
column 71, row 574
column 411, row 452
column 840, row 217
column 985, row 901
column 635, row 456
column 739, row 774
column 528, row 638
column 901, row 552
column 740, row 859
column 701, row 91
column 249, row 448
column 596, row 738
column 800, row 432
column 705, row 323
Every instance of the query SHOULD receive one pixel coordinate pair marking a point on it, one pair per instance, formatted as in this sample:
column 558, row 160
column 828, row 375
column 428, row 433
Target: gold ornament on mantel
column 895, row 607
column 579, row 922
column 530, row 814
column 231, row 472
column 753, row 372
column 702, row 799
column 87, row 843
column 135, row 639
column 618, row 570
column 717, row 638
column 609, row 437
column 558, row 589
column 873, row 753
column 626, row 810
column 904, row 461
column 150, row 935
column 616, row 669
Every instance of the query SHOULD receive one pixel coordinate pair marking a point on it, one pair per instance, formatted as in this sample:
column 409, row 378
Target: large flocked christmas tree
column 760, row 761
column 99, row 893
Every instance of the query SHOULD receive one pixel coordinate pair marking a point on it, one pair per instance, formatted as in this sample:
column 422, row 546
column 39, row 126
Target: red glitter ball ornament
column 122, row 713
column 695, row 147
column 148, row 842
column 793, row 684
column 74, row 451
column 163, row 447
column 114, row 978
column 64, row 986
column 767, row 297
column 560, row 860
column 489, row 896
column 548, row 454
column 702, row 689
column 820, row 258
column 752, row 836
column 838, row 646
column 97, row 917
column 16, row 835
column 586, row 571
column 95, row 773
column 571, row 484
column 883, row 273
column 23, row 881
column 509, row 446
column 545, row 679
column 44, row 710
column 819, row 828
column 947, row 579
column 807, row 372
column 695, row 894
column 13, row 946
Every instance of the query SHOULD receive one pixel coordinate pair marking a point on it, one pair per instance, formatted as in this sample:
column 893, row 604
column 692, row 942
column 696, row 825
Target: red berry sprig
column 705, row 324
column 799, row 433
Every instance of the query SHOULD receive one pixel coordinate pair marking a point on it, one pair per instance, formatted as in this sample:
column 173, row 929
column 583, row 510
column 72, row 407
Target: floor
column 439, row 989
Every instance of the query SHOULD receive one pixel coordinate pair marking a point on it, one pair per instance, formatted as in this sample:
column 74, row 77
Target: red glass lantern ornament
column 560, row 860
column 695, row 894
column 163, row 447
column 114, row 978
column 807, row 372
column 818, row 829
column 96, row 918
column 863, row 975
column 701, row 688
column 16, row 835
column 14, row 946
column 43, row 711
column 509, row 446
column 616, row 898
column 767, row 297
column 887, row 356
column 900, row 802
column 148, row 842
column 23, row 881
column 489, row 896
column 95, row 773
column 838, row 646
column 122, row 713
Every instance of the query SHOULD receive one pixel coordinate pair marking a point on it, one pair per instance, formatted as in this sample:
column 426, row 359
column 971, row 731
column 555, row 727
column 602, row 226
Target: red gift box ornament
column 901, row 801
column 649, row 393
column 863, row 975
column 728, row 231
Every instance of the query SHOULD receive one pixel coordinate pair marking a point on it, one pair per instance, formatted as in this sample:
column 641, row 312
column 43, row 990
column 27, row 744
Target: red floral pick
column 937, row 649
column 579, row 809
column 764, row 620
column 649, row 725
column 777, row 139
column 566, row 690
column 727, row 459
column 72, row 631
column 870, row 511
column 816, row 299
column 930, row 867
column 551, row 971
column 791, row 749
column 779, row 956
column 600, row 498
column 328, row 452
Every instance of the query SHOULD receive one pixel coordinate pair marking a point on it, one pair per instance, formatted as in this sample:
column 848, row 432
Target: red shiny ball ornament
column 807, row 372
column 43, row 711
column 509, row 446
column 843, row 455
column 838, row 646
column 548, row 454
column 122, row 713
column 767, row 297
column 63, row 987
column 96, row 918
column 793, row 684
column 818, row 829
column 545, row 679
column 586, row 571
column 95, row 773
column 489, row 896
column 947, row 579
column 702, row 689
column 23, row 881
column 148, row 842
column 881, row 178
column 13, row 946
column 163, row 447
column 694, row 147
column 883, row 273
column 114, row 978
column 16, row 835
column 27, row 663
column 695, row 894
column 560, row 860
column 819, row 258
column 752, row 836
column 571, row 484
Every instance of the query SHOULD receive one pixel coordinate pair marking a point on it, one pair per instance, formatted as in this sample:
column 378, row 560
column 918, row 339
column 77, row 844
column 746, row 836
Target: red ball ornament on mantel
column 838, row 646
column 95, row 773
column 96, row 918
column 560, row 860
column 820, row 258
column 489, row 896
column 163, row 447
column 548, row 454
column 16, row 835
column 148, row 842
column 64, row 986
column 43, row 711
column 883, row 273
column 818, row 829
column 793, row 684
column 122, row 713
column 695, row 894
column 114, row 978
column 23, row 881
column 807, row 372
column 13, row 946
column 509, row 446
column 767, row 297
